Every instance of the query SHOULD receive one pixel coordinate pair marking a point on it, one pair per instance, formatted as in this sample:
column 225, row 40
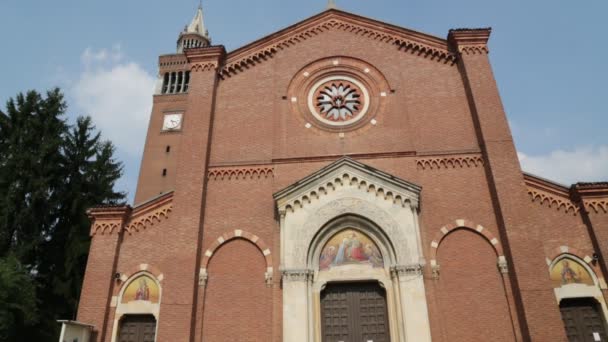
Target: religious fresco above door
column 142, row 288
column 568, row 271
column 348, row 247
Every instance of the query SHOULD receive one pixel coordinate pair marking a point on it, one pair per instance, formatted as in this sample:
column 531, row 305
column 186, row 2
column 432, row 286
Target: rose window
column 338, row 100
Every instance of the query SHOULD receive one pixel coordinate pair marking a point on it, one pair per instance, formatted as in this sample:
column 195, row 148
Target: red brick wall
column 151, row 182
column 470, row 293
column 238, row 305
column 428, row 114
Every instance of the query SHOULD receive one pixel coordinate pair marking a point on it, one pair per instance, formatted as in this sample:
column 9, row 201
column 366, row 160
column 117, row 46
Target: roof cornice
column 332, row 19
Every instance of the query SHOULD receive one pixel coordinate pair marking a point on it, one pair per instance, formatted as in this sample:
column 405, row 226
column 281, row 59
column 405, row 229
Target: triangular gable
column 402, row 39
column 348, row 172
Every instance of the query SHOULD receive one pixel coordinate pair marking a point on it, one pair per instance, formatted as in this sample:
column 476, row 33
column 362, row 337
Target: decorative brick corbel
column 470, row 41
column 206, row 59
column 108, row 219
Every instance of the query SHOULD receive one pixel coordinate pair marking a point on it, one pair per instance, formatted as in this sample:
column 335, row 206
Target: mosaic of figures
column 142, row 288
column 350, row 246
column 568, row 271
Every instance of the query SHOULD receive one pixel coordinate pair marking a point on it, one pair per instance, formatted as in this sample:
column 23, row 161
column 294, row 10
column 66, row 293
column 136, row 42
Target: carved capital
column 435, row 270
column 203, row 277
column 406, row 270
column 268, row 276
column 297, row 275
column 503, row 266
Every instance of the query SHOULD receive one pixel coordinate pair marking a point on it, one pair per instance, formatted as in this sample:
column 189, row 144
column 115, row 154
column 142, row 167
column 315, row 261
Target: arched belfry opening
column 351, row 249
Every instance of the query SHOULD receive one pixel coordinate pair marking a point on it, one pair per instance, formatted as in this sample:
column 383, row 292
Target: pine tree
column 30, row 173
column 90, row 173
column 50, row 174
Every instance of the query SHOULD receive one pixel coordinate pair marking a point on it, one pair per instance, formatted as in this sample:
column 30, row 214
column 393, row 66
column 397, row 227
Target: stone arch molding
column 350, row 195
column 348, row 187
column 229, row 236
column 579, row 290
column 444, row 231
column 137, row 307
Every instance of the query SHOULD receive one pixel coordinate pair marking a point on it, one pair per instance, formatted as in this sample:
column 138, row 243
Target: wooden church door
column 137, row 328
column 354, row 312
column 583, row 320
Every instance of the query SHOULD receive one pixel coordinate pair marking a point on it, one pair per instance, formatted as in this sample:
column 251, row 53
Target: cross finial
column 331, row 4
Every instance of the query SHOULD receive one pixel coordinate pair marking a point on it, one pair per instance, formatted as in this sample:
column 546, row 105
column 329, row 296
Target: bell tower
column 194, row 35
column 169, row 116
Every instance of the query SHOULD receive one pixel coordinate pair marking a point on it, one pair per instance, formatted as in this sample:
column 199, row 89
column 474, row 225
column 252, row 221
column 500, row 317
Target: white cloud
column 90, row 56
column 117, row 94
column 583, row 164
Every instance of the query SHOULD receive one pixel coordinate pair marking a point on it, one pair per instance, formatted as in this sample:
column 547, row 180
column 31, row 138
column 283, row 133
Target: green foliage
column 17, row 299
column 50, row 174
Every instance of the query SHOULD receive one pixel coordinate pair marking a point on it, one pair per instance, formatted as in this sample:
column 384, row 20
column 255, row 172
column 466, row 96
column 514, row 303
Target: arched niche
column 349, row 235
column 140, row 295
column 365, row 230
column 573, row 278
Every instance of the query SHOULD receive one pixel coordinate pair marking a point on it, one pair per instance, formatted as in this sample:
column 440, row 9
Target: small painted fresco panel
column 350, row 246
column 568, row 271
column 142, row 288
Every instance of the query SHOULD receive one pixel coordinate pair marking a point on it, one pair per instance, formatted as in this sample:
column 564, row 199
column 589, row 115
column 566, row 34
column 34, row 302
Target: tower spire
column 331, row 4
column 194, row 35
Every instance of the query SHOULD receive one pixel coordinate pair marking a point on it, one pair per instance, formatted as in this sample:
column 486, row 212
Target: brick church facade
column 342, row 179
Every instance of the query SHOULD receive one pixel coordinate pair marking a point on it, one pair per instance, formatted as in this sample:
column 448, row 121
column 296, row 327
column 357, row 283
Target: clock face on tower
column 172, row 122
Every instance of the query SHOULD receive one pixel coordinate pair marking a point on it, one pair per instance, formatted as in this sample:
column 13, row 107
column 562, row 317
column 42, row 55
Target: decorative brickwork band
column 145, row 219
column 474, row 49
column 449, row 162
column 561, row 203
column 594, row 196
column 240, row 173
column 422, row 45
column 108, row 219
column 598, row 206
column 470, row 41
column 351, row 180
column 116, row 219
column 207, row 66
column 236, row 234
column 466, row 224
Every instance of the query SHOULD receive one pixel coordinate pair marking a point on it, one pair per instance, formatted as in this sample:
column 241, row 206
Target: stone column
column 295, row 305
column 538, row 309
column 181, row 284
column 99, row 281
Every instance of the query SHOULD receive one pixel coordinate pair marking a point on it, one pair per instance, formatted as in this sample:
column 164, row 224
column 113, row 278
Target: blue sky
column 548, row 58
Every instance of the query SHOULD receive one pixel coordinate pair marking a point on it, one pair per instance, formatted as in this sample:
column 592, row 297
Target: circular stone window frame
column 368, row 78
